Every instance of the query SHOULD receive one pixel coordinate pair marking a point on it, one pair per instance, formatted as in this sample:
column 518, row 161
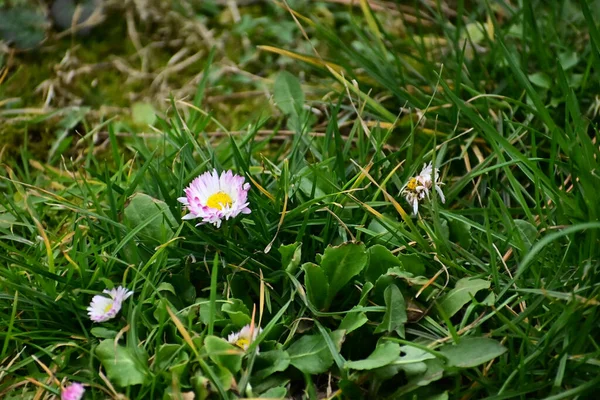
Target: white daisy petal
column 418, row 188
column 212, row 198
column 103, row 308
column 244, row 338
column 440, row 193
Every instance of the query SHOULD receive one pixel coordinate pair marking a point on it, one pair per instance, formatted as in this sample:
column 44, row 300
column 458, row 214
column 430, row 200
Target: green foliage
column 340, row 264
column 490, row 294
column 288, row 94
column 143, row 114
column 380, row 260
column 23, row 26
column 123, row 366
column 270, row 362
column 290, row 256
column 462, row 294
column 383, row 355
column 150, row 218
column 471, row 352
column 337, row 266
column 310, row 353
column 223, row 354
column 395, row 312
column 317, row 285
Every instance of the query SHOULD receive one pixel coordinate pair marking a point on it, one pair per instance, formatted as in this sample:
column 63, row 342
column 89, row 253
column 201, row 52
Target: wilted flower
column 103, row 308
column 72, row 392
column 244, row 337
column 213, row 198
column 418, row 187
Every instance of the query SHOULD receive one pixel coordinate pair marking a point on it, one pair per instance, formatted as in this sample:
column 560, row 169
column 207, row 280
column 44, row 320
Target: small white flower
column 418, row 187
column 103, row 308
column 213, row 198
column 244, row 337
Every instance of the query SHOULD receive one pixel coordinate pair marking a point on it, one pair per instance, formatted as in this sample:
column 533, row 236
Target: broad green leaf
column 391, row 370
column 275, row 393
column 316, row 284
column 489, row 300
column 223, row 353
column 411, row 361
column 143, row 113
column 475, row 31
column 568, row 60
column 140, row 207
column 166, row 287
column 23, row 26
column 388, row 371
column 384, row 354
column 201, row 386
column 171, row 359
column 66, row 13
column 461, row 232
column 575, row 80
column 434, row 372
column 269, row 362
column 341, row 263
column 364, row 295
column 220, row 317
column 472, row 351
column 413, row 264
column 399, row 272
column 380, row 260
column 290, row 256
column 310, row 353
column 123, row 368
column 441, row 396
column 103, row 333
column 395, row 312
column 462, row 293
column 540, row 79
column 288, row 94
column 352, row 321
column 527, row 232
column 238, row 312
column 411, row 354
column 165, row 353
column 412, row 369
column 7, row 220
column 225, row 377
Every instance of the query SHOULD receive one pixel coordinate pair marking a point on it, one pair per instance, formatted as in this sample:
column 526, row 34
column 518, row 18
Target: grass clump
column 330, row 287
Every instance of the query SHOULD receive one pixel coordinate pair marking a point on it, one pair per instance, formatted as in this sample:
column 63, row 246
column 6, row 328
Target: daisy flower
column 103, row 308
column 244, row 337
column 72, row 392
column 418, row 187
column 213, row 198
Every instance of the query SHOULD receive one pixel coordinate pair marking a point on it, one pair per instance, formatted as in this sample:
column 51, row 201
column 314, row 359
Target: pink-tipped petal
column 74, row 391
column 212, row 198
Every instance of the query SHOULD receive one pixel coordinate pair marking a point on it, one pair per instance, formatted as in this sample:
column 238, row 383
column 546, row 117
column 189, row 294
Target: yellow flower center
column 108, row 307
column 242, row 343
column 412, row 184
column 219, row 200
